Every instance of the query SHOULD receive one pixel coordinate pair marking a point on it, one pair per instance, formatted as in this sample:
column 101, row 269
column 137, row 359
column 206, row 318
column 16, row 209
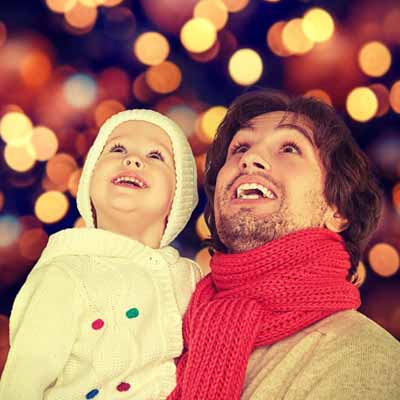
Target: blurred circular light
column 382, row 94
column 51, row 207
column 394, row 97
column 18, row 158
column 114, row 83
column 201, row 167
column 10, row 229
column 384, row 259
column 35, row 68
column 1, row 200
column 318, row 25
column 210, row 121
column 81, row 17
column 73, row 182
column 361, row 274
column 361, row 104
column 236, row 5
column 79, row 223
column 245, row 67
column 106, row 109
column 60, row 167
column 391, row 26
column 16, row 128
column 274, row 39
column 374, row 59
column 320, row 95
column 61, row 6
column 208, row 55
column 80, row 90
column 111, row 3
column 395, row 196
column 141, row 89
column 294, row 39
column 44, row 143
column 151, row 48
column 184, row 116
column 32, row 242
column 203, row 259
column 164, row 78
column 201, row 228
column 119, row 23
column 213, row 10
column 198, row 35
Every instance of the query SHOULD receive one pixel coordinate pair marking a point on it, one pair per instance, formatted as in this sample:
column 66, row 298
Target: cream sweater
column 100, row 316
column 345, row 356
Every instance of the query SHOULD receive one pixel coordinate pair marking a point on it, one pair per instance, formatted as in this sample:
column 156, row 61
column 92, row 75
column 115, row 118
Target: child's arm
column 43, row 327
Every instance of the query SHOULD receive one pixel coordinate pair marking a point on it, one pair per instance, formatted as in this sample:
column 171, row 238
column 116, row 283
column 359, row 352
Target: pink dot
column 98, row 324
column 123, row 387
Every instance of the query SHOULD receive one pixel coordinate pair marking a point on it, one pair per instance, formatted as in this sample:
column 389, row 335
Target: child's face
column 134, row 177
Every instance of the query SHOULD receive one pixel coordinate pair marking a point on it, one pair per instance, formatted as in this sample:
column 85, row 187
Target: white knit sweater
column 100, row 316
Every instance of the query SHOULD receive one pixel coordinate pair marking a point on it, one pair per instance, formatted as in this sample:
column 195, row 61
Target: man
column 292, row 201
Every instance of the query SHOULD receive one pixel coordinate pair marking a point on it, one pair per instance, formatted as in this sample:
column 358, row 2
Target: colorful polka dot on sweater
column 132, row 313
column 123, row 387
column 97, row 324
column 93, row 393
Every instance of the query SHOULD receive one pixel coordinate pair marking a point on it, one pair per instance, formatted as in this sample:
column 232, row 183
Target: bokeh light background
column 67, row 65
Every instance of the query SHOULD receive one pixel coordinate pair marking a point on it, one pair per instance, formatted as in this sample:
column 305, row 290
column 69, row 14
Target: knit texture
column 185, row 198
column 256, row 298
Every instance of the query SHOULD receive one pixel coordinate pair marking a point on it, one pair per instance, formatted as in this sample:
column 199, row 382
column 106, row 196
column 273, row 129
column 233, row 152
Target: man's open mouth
column 253, row 191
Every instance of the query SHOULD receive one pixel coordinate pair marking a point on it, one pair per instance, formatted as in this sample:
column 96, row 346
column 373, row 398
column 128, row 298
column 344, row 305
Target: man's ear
column 334, row 221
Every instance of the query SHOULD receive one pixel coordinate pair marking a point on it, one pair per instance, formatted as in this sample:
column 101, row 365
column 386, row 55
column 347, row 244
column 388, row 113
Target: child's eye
column 156, row 155
column 117, row 148
column 239, row 148
column 291, row 147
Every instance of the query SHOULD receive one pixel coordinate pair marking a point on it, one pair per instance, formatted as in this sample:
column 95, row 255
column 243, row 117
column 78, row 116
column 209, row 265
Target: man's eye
column 239, row 148
column 156, row 155
column 117, row 148
column 291, row 148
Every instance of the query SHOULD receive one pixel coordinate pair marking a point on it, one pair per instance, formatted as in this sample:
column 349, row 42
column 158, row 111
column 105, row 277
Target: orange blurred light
column 382, row 94
column 32, row 242
column 198, row 35
column 394, row 97
column 51, row 207
column 201, row 167
column 274, row 39
column 374, row 59
column 234, row 6
column 362, row 104
column 111, row 3
column 61, row 6
column 141, row 89
column 151, row 48
column 164, row 78
column 201, row 228
column 361, row 274
column 209, row 122
column 384, row 259
column 245, row 67
column 208, row 55
column 1, row 200
column 73, row 182
column 213, row 10
column 81, row 17
column 106, row 109
column 114, row 83
column 79, row 223
column 16, row 128
column 294, row 39
column 320, row 95
column 318, row 25
column 203, row 259
column 36, row 68
column 60, row 167
column 395, row 196
column 44, row 143
column 18, row 158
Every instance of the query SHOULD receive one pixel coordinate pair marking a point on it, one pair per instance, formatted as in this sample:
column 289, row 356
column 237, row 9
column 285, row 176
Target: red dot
column 98, row 324
column 123, row 387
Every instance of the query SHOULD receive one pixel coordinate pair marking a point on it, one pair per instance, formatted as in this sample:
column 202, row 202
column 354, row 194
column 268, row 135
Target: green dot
column 132, row 313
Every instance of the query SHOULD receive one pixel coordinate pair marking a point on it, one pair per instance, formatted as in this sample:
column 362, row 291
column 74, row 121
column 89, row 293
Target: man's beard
column 245, row 230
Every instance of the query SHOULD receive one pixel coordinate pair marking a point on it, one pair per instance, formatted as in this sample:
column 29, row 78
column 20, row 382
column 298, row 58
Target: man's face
column 271, row 184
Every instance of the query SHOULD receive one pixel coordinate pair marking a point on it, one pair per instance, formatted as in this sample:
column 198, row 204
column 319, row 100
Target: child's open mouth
column 129, row 181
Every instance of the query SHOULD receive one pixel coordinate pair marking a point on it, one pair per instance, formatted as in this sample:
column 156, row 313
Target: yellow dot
column 213, row 10
column 16, row 129
column 384, row 259
column 61, row 6
column 201, row 228
column 151, row 48
column 18, row 158
column 245, row 67
column 209, row 123
column 361, row 104
column 294, row 39
column 164, row 78
column 318, row 25
column 236, row 5
column 51, row 207
column 203, row 259
column 274, row 39
column 394, row 97
column 374, row 59
column 198, row 35
column 44, row 143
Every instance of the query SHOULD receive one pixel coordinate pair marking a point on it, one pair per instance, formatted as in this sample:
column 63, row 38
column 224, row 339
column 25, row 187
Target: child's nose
column 133, row 162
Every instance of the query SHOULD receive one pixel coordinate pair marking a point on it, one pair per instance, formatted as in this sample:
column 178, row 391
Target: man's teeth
column 241, row 191
column 129, row 179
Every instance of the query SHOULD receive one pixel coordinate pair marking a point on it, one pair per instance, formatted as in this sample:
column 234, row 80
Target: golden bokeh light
column 274, row 39
column 384, row 259
column 234, row 6
column 294, row 39
column 16, row 129
column 394, row 97
column 201, row 228
column 61, row 6
column 73, row 182
column 32, row 242
column 18, row 158
column 395, row 197
column 106, row 109
column 35, row 68
column 203, row 259
column 79, row 223
column 198, row 35
column 318, row 25
column 245, row 67
column 382, row 95
column 209, row 122
column 201, row 167
column 111, row 3
column 151, row 48
column 60, row 167
column 44, row 143
column 213, row 10
column 141, row 89
column 81, row 17
column 320, row 95
column 91, row 3
column 362, row 104
column 2, row 200
column 208, row 55
column 164, row 78
column 374, row 59
column 51, row 207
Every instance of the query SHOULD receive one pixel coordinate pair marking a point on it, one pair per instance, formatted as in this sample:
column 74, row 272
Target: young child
column 100, row 315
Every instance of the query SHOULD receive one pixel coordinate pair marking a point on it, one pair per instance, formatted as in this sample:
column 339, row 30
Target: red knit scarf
column 257, row 298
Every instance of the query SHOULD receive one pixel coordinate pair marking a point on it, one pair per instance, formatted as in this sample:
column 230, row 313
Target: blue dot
column 92, row 393
column 132, row 313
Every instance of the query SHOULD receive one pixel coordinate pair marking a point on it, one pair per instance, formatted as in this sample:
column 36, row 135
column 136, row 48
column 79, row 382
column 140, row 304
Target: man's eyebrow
column 299, row 129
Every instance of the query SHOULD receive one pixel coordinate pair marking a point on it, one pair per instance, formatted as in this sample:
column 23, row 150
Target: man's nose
column 133, row 161
column 253, row 161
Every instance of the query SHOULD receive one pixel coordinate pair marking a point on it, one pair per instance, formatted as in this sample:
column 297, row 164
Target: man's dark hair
column 349, row 182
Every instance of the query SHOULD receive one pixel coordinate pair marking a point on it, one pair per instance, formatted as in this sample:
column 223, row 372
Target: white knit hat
column 185, row 198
